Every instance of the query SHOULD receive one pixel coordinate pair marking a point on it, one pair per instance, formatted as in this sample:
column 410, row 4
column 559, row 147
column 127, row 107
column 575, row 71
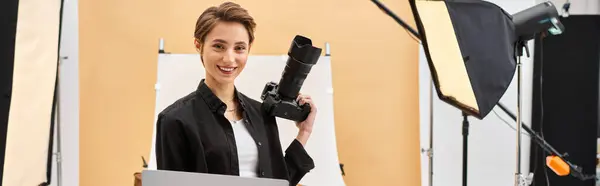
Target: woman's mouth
column 226, row 70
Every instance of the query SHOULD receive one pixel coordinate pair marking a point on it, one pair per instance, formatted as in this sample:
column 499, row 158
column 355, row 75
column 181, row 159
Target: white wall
column 69, row 98
column 492, row 144
column 579, row 7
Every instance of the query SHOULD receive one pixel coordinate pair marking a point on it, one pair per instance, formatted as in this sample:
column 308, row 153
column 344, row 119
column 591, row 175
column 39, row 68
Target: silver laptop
column 175, row 178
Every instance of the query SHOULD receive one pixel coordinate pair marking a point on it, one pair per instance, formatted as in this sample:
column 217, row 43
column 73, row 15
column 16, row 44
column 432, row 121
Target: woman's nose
column 229, row 57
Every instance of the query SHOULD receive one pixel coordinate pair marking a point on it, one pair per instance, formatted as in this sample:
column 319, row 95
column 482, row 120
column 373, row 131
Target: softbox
column 470, row 48
column 29, row 45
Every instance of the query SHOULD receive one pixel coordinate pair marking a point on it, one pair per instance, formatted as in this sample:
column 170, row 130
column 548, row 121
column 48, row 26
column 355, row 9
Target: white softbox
column 29, row 44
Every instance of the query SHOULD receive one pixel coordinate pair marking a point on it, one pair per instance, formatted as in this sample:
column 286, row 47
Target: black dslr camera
column 279, row 100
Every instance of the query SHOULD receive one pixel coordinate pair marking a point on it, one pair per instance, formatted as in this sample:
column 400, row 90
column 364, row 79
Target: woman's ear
column 197, row 45
column 199, row 49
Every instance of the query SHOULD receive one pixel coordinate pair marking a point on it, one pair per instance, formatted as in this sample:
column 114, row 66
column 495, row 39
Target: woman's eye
column 240, row 48
column 218, row 46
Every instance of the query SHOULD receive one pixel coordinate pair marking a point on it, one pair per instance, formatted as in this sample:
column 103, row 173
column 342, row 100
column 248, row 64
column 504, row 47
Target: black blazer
column 194, row 136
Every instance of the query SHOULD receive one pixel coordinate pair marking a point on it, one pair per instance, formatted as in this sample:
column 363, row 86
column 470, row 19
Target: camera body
column 277, row 106
column 280, row 99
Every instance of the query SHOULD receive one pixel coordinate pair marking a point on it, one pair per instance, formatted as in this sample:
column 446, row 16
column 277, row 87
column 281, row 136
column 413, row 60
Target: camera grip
column 304, row 111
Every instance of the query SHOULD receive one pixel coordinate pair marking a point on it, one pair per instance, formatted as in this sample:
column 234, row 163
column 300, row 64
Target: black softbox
column 471, row 58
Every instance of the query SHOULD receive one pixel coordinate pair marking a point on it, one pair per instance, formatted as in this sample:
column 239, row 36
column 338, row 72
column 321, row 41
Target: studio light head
column 537, row 19
column 279, row 99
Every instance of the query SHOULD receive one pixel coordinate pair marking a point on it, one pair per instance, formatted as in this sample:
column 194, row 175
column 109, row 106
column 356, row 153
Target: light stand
column 429, row 150
column 58, row 128
column 541, row 18
column 520, row 180
column 465, row 133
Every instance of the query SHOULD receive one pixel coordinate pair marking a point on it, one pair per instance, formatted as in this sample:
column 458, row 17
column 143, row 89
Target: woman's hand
column 305, row 127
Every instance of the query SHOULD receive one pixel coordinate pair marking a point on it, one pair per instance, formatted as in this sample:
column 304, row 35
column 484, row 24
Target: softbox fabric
column 470, row 48
column 29, row 41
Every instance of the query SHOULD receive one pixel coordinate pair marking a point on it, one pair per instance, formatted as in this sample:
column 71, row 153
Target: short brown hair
column 227, row 12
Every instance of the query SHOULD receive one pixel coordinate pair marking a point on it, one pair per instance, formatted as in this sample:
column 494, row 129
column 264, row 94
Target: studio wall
column 374, row 64
column 578, row 7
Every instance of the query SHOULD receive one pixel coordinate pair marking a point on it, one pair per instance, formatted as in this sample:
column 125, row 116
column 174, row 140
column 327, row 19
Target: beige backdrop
column 374, row 62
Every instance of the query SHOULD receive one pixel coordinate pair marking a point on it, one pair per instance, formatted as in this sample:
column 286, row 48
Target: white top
column 246, row 147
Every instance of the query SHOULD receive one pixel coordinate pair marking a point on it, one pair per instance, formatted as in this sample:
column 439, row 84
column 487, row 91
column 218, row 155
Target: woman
column 217, row 129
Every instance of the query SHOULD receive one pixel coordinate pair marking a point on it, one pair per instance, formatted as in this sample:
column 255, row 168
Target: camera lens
column 302, row 56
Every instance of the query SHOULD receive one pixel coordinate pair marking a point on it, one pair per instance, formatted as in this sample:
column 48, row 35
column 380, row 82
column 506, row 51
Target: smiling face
column 225, row 51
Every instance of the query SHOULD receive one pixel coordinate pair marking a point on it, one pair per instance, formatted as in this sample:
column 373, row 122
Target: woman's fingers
column 303, row 99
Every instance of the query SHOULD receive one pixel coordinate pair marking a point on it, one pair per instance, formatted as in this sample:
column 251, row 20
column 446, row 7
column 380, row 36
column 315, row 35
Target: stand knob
column 429, row 152
column 525, row 181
